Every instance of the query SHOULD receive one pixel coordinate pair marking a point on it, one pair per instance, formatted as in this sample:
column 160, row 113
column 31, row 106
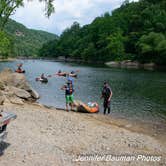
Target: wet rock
column 34, row 94
column 113, row 64
column 130, row 64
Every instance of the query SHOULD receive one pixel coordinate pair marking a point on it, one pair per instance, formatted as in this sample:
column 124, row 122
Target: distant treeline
column 17, row 40
column 135, row 31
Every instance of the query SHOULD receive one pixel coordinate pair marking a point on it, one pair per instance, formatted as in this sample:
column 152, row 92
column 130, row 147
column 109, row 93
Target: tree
column 116, row 46
column 5, row 44
column 152, row 46
column 8, row 7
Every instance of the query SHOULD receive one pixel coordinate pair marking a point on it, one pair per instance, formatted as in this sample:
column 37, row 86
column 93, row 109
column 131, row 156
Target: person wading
column 107, row 95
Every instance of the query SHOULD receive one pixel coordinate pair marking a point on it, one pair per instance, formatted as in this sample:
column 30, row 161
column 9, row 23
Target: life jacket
column 69, row 90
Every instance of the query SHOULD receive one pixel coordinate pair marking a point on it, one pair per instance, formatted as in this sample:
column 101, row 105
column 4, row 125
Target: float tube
column 20, row 71
column 43, row 80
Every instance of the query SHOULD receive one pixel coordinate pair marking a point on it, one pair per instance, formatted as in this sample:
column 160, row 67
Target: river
column 137, row 94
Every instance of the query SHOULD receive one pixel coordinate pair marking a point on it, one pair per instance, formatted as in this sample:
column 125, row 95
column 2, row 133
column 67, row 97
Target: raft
column 91, row 107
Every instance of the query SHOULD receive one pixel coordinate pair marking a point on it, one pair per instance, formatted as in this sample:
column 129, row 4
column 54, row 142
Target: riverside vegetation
column 135, row 31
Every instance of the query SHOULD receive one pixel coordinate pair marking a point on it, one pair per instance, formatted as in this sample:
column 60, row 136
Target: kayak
column 91, row 107
column 20, row 71
column 43, row 80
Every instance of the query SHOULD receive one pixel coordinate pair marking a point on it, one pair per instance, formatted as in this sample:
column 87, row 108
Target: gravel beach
column 48, row 137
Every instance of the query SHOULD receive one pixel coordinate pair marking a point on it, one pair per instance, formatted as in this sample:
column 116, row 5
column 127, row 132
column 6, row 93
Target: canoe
column 91, row 107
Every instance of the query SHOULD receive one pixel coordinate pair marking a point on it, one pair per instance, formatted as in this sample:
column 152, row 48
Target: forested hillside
column 17, row 40
column 135, row 31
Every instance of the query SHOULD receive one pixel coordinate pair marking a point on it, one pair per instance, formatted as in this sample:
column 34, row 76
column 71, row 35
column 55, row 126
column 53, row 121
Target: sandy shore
column 49, row 137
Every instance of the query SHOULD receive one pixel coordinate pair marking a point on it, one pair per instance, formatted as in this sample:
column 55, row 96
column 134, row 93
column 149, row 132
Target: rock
column 2, row 98
column 2, row 86
column 20, row 93
column 149, row 66
column 113, row 64
column 7, row 101
column 130, row 64
column 16, row 100
column 6, row 70
column 1, row 108
column 34, row 94
column 20, row 86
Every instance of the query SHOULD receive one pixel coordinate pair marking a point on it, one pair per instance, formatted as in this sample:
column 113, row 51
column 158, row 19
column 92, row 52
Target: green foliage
column 5, row 44
column 135, row 31
column 8, row 7
column 152, row 47
column 116, row 45
column 26, row 42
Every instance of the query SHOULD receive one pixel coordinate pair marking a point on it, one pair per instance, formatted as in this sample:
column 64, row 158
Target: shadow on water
column 3, row 147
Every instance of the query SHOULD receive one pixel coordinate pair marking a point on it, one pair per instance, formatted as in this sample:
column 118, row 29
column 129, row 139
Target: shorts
column 69, row 99
column 106, row 104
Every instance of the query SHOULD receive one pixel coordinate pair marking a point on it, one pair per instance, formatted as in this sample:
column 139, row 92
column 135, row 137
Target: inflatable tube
column 20, row 71
column 61, row 74
column 73, row 75
column 43, row 80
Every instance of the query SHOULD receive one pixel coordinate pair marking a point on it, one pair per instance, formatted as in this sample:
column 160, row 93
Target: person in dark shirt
column 107, row 95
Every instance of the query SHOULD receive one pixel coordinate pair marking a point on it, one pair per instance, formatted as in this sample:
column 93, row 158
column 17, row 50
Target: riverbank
column 48, row 136
column 7, row 59
column 42, row 136
column 128, row 64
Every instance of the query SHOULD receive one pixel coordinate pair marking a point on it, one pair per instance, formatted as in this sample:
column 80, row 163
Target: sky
column 66, row 12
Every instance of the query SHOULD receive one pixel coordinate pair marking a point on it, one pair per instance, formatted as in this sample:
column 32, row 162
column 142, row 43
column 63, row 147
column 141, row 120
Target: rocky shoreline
column 131, row 65
column 15, row 89
column 48, row 137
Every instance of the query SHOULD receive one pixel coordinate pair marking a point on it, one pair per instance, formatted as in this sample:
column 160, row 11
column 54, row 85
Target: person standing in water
column 107, row 95
column 69, row 95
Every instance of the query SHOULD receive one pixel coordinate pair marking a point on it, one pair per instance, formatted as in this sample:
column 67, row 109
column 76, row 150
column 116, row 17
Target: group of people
column 106, row 95
column 69, row 90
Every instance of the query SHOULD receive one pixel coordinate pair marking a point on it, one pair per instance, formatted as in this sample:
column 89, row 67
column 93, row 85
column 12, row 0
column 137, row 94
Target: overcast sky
column 66, row 12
